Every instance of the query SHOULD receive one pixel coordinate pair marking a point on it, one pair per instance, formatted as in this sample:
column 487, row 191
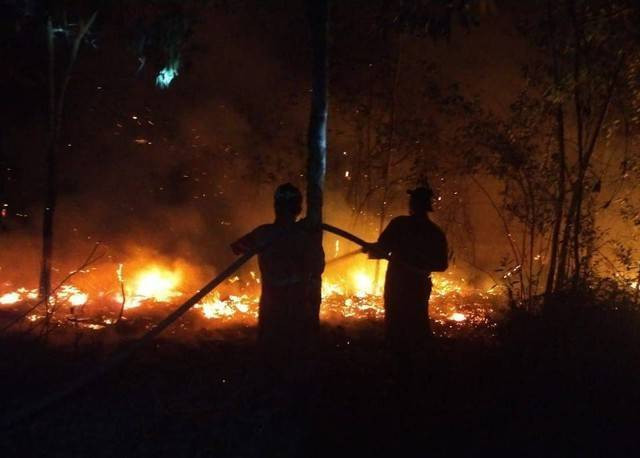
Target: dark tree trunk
column 50, row 181
column 636, row 298
column 577, row 237
column 47, row 225
column 56, row 107
column 584, row 163
column 387, row 163
column 562, row 170
column 559, row 210
column 317, row 135
column 318, row 12
column 580, row 134
column 585, row 148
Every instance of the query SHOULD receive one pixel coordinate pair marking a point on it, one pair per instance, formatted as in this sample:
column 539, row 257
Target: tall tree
column 318, row 13
column 56, row 109
column 552, row 152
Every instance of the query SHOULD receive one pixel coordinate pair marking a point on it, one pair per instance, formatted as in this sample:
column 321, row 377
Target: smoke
column 170, row 176
column 175, row 176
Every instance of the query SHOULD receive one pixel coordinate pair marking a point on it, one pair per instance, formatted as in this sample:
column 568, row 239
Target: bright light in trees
column 167, row 75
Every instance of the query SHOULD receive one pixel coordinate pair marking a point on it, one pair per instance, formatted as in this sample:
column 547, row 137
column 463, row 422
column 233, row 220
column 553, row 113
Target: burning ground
column 516, row 384
column 139, row 292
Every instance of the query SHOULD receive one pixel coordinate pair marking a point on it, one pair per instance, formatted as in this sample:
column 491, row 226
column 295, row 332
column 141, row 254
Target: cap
column 421, row 193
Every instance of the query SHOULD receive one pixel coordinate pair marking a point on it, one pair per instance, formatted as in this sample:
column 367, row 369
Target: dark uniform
column 415, row 247
column 290, row 265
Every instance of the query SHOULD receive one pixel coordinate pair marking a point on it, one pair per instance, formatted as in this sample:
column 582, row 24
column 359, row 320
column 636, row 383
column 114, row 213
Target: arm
column 440, row 255
column 385, row 243
column 244, row 244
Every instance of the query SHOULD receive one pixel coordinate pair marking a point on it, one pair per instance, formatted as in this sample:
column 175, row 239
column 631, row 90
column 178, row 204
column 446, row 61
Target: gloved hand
column 374, row 251
column 368, row 247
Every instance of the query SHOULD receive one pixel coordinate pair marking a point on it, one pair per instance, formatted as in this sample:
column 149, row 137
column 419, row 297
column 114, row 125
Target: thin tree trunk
column 507, row 232
column 387, row 165
column 533, row 279
column 565, row 242
column 578, row 191
column 356, row 195
column 573, row 228
column 383, row 217
column 582, row 164
column 559, row 207
column 56, row 107
column 562, row 166
column 577, row 232
column 318, row 12
column 50, row 188
column 636, row 299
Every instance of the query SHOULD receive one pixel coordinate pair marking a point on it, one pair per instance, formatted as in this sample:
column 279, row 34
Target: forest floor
column 567, row 385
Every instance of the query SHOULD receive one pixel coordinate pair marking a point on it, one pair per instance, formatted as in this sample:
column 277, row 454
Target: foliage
column 548, row 151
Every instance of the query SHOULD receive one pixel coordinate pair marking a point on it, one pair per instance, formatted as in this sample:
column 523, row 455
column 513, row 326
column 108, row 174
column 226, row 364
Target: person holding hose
column 291, row 260
column 415, row 246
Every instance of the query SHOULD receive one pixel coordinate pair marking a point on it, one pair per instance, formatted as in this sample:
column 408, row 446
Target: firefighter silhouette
column 415, row 247
column 290, row 263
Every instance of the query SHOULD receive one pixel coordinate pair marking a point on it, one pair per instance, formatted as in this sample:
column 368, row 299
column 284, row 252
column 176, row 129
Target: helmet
column 287, row 193
column 421, row 193
column 287, row 196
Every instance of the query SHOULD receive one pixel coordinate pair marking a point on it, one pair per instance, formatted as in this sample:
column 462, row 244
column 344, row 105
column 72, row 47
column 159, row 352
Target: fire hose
column 121, row 356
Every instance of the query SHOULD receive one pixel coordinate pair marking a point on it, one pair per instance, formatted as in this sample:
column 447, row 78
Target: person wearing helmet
column 291, row 260
column 415, row 247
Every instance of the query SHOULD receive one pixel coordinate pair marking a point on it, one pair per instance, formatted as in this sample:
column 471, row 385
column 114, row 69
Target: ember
column 349, row 295
column 9, row 298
